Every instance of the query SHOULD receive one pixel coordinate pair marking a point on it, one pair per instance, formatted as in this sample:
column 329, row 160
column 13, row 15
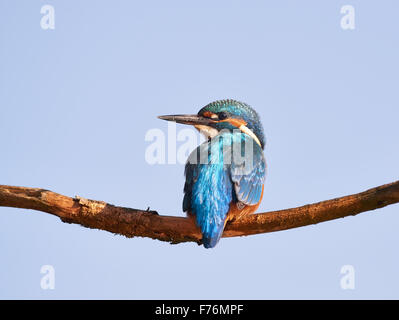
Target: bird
column 219, row 186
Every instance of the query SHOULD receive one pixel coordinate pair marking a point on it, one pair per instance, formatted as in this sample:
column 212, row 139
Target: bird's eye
column 223, row 115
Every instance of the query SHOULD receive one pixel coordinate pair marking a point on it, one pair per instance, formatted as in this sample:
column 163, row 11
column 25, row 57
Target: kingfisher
column 225, row 175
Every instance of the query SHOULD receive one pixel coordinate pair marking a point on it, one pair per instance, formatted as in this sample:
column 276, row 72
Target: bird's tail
column 211, row 237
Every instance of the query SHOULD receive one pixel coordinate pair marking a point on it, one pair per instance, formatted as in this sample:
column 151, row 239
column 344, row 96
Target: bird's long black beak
column 191, row 119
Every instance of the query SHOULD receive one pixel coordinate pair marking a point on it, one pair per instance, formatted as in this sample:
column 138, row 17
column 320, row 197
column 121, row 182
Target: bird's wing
column 249, row 176
column 191, row 173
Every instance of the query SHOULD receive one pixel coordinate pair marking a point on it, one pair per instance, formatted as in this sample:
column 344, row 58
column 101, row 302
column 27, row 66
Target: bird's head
column 224, row 115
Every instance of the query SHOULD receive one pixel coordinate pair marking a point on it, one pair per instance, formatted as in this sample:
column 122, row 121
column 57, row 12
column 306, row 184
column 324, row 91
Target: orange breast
column 236, row 212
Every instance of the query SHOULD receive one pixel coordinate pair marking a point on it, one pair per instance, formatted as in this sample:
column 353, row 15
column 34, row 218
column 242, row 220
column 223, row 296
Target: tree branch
column 140, row 223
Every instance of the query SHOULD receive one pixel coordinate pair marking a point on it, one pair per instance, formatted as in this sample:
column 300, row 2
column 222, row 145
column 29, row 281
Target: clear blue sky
column 77, row 101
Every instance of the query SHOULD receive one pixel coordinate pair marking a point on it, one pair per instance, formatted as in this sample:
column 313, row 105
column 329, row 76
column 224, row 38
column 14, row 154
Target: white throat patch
column 249, row 132
column 207, row 131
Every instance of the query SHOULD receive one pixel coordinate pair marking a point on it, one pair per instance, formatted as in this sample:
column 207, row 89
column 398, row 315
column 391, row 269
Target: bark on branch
column 144, row 223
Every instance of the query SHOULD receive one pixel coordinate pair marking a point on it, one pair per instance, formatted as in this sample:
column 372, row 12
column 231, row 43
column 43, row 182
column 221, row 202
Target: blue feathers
column 208, row 190
column 225, row 175
column 215, row 178
column 249, row 177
